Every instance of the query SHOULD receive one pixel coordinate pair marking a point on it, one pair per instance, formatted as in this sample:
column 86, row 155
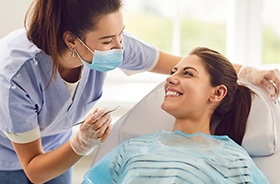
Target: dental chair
column 260, row 139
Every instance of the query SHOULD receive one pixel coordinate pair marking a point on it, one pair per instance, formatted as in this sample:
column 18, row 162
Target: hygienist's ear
column 219, row 93
column 69, row 39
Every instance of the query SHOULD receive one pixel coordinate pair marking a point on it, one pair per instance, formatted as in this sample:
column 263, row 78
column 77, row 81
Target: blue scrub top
column 26, row 103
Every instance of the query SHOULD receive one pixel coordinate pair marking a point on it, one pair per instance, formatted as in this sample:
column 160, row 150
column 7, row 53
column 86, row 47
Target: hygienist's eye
column 107, row 43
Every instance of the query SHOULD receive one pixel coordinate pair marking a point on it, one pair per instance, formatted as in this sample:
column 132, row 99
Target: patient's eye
column 188, row 73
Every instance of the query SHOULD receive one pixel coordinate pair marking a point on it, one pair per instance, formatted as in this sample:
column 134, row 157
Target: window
column 271, row 32
column 177, row 26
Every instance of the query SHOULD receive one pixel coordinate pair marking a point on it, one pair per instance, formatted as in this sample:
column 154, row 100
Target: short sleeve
column 138, row 56
column 19, row 109
column 19, row 88
column 24, row 137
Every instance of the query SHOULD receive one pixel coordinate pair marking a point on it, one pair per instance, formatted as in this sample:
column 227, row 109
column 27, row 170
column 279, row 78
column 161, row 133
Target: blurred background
column 246, row 31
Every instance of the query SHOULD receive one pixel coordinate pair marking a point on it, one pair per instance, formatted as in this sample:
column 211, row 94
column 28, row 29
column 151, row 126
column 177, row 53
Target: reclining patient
column 210, row 111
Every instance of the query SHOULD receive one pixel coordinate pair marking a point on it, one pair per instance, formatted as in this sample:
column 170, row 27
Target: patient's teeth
column 172, row 93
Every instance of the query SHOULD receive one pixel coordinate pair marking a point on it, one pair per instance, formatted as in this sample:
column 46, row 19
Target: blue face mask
column 103, row 61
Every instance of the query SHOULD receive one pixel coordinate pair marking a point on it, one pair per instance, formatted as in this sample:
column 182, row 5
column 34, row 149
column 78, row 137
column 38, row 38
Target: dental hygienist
column 51, row 75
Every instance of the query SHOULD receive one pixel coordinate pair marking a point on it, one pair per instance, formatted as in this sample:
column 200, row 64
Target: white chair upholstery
column 260, row 137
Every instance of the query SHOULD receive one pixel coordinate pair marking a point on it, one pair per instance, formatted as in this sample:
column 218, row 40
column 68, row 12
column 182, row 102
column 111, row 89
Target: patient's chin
column 168, row 109
column 163, row 107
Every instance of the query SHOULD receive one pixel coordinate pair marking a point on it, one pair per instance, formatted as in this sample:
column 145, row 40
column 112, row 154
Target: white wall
column 12, row 14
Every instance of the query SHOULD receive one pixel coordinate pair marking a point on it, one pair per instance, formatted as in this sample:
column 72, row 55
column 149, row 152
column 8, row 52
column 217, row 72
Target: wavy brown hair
column 47, row 20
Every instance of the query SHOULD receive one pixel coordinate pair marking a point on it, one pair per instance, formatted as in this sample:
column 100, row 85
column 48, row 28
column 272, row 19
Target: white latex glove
column 269, row 79
column 92, row 133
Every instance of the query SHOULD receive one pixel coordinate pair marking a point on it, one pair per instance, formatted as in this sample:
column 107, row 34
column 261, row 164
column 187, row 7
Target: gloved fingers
column 92, row 119
column 96, row 130
column 275, row 89
column 271, row 87
column 275, row 80
column 102, row 125
column 106, row 133
column 91, row 126
column 272, row 80
column 98, row 113
column 268, row 79
column 94, row 111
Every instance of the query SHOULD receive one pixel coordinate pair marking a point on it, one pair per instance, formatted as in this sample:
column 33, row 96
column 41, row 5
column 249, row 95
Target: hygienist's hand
column 93, row 132
column 269, row 79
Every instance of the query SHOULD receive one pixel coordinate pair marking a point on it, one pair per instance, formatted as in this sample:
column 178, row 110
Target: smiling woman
column 202, row 94
column 190, row 83
column 206, row 82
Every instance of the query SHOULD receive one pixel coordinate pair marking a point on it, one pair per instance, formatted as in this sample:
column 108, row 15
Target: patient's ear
column 219, row 93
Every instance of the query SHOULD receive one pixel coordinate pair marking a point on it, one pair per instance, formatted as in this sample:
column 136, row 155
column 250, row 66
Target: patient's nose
column 172, row 80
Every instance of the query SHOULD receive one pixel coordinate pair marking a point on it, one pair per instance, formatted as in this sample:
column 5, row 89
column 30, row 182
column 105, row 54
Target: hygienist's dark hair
column 47, row 20
column 233, row 111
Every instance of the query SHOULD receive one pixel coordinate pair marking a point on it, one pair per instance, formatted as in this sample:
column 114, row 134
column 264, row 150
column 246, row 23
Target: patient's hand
column 269, row 79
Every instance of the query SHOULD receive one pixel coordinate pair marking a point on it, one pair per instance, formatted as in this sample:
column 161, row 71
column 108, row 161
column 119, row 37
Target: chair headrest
column 260, row 138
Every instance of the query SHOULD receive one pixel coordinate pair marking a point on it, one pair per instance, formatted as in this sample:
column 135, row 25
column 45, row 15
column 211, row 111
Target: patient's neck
column 191, row 127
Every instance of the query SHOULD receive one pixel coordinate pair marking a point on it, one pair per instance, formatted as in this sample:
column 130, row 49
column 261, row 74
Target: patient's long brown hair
column 233, row 111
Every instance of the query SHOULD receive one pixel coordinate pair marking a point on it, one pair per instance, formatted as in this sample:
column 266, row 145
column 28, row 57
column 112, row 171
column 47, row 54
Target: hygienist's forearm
column 55, row 162
column 237, row 67
column 47, row 166
column 165, row 63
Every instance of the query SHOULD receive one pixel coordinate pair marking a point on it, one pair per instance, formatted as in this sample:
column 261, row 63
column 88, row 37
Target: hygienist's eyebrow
column 110, row 36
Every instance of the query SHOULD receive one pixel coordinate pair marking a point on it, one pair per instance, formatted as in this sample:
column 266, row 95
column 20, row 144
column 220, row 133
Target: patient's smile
column 172, row 93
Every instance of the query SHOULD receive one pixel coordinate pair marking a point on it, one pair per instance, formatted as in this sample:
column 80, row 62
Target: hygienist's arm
column 41, row 167
column 237, row 67
column 167, row 61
